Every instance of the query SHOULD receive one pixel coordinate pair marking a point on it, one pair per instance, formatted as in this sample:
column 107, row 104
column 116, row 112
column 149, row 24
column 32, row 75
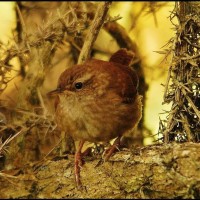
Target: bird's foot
column 78, row 165
column 112, row 149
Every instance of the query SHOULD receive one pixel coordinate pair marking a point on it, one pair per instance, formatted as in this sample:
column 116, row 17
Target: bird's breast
column 96, row 120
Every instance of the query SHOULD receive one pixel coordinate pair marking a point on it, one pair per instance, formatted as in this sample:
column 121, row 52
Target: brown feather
column 125, row 76
column 122, row 56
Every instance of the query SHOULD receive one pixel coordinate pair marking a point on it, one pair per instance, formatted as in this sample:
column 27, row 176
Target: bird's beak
column 54, row 92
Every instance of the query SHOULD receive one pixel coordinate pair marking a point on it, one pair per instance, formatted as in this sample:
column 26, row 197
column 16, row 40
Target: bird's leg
column 78, row 163
column 109, row 152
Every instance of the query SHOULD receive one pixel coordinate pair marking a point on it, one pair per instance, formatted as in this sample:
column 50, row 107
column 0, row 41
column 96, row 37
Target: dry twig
column 93, row 31
column 182, row 88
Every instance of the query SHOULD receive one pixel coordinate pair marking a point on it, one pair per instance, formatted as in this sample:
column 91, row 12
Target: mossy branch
column 167, row 171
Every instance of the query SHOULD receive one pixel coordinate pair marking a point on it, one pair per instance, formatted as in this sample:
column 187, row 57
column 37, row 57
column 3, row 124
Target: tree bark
column 157, row 171
column 182, row 86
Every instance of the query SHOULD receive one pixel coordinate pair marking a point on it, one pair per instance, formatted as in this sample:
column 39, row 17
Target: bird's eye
column 78, row 85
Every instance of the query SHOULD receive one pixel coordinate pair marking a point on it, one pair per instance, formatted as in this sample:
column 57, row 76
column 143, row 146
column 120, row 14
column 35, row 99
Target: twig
column 7, row 175
column 42, row 103
column 10, row 139
column 190, row 57
column 94, row 30
column 56, row 145
column 167, row 84
column 191, row 102
column 121, row 36
column 23, row 26
column 186, row 127
column 189, row 42
column 170, row 124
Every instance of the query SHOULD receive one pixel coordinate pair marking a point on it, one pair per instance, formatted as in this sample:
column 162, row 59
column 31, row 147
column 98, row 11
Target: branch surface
column 157, row 171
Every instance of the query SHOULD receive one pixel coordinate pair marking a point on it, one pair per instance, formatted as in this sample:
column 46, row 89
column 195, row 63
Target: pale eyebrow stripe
column 87, row 78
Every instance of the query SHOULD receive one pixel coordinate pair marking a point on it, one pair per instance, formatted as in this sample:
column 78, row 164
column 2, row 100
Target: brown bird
column 98, row 101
